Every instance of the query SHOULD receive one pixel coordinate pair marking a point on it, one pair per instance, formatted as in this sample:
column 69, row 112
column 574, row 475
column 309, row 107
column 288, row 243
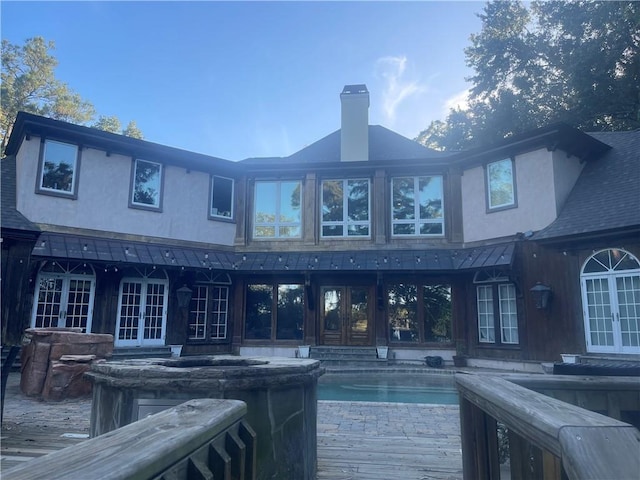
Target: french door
column 345, row 316
column 142, row 312
column 611, row 302
column 64, row 299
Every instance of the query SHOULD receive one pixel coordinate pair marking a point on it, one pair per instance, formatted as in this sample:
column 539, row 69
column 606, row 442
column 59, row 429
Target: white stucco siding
column 566, row 171
column 103, row 200
column 535, row 193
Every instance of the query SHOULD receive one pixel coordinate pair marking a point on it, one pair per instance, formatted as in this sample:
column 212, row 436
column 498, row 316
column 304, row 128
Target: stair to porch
column 347, row 356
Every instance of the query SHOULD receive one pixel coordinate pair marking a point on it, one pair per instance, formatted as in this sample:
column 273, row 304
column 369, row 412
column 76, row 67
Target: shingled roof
column 11, row 219
column 384, row 145
column 606, row 197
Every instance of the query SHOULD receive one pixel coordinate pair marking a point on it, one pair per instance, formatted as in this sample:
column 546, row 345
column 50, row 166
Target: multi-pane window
column 221, row 205
column 497, row 301
column 611, row 298
column 345, row 208
column 58, row 168
column 208, row 312
column 277, row 209
column 419, row 313
column 501, row 192
column 417, row 206
column 64, row 296
column 146, row 185
column 142, row 308
column 274, row 312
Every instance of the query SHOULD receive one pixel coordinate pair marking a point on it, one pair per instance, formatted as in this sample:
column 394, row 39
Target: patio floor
column 356, row 440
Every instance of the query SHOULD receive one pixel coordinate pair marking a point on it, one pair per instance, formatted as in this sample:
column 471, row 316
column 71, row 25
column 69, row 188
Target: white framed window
column 221, row 197
column 496, row 302
column 277, row 210
column 146, row 185
column 610, row 282
column 64, row 296
column 58, row 169
column 208, row 312
column 508, row 313
column 417, row 206
column 142, row 308
column 501, row 185
column 486, row 321
column 345, row 208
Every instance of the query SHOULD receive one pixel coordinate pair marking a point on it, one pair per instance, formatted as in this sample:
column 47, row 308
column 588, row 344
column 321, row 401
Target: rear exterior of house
column 364, row 238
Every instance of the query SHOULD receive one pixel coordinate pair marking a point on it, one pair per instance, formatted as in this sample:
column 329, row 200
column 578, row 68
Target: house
column 363, row 238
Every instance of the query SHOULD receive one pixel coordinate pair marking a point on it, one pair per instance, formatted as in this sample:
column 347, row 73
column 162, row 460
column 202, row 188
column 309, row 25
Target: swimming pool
column 389, row 387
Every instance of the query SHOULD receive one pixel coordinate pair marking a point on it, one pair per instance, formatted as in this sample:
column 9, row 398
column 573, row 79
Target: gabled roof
column 606, row 196
column 11, row 219
column 30, row 124
column 384, row 146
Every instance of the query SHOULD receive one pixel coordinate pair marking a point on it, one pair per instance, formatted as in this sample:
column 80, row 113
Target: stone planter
column 303, row 351
column 176, row 350
column 382, row 351
column 570, row 357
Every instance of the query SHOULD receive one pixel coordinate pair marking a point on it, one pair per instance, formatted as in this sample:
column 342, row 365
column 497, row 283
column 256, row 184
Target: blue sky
column 253, row 79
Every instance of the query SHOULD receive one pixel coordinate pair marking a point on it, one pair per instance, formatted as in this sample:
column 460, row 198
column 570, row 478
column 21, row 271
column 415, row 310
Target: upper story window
column 58, row 169
column 221, row 205
column 277, row 209
column 501, row 186
column 345, row 208
column 146, row 185
column 417, row 206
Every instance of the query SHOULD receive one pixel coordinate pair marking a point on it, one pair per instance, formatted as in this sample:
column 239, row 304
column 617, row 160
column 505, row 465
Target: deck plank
column 356, row 440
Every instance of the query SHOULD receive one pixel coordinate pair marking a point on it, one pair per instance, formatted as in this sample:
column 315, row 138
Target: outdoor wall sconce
column 541, row 295
column 184, row 296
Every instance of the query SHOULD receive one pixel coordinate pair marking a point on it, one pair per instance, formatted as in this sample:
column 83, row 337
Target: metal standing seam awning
column 119, row 252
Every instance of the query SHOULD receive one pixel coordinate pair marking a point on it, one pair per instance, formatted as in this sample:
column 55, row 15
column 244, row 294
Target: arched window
column 142, row 308
column 610, row 281
column 64, row 296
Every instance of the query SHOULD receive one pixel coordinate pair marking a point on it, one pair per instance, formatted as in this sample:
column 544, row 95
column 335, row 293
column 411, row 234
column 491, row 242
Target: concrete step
column 123, row 353
column 331, row 356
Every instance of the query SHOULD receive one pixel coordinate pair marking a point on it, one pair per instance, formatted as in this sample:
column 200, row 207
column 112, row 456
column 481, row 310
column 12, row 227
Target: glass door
column 142, row 312
column 611, row 299
column 345, row 316
column 63, row 300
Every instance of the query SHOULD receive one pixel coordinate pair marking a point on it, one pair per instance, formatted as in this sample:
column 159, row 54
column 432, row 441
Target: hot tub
column 280, row 393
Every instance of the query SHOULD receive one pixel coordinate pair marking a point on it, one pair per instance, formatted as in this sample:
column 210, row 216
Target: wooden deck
column 360, row 440
column 356, row 440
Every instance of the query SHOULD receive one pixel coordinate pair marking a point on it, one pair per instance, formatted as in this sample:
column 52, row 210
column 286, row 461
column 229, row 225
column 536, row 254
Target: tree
column 576, row 62
column 133, row 131
column 108, row 124
column 29, row 84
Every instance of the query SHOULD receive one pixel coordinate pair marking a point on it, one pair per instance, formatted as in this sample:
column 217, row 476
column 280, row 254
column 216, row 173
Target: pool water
column 384, row 387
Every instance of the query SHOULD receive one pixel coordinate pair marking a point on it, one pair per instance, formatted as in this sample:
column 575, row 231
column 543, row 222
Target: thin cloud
column 397, row 88
column 458, row 101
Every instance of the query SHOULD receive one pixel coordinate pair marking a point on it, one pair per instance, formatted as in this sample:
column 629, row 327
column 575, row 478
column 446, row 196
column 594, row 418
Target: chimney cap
column 354, row 89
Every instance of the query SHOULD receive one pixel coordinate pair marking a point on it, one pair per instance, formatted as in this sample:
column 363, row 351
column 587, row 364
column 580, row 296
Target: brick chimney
column 354, row 133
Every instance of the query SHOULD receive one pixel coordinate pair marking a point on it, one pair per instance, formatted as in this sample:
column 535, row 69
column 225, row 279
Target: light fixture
column 541, row 295
column 184, row 296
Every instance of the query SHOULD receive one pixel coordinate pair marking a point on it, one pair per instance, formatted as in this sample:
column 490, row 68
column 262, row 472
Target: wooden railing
column 200, row 439
column 548, row 438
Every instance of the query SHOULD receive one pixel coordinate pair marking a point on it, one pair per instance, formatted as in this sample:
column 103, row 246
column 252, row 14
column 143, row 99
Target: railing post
column 479, row 438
